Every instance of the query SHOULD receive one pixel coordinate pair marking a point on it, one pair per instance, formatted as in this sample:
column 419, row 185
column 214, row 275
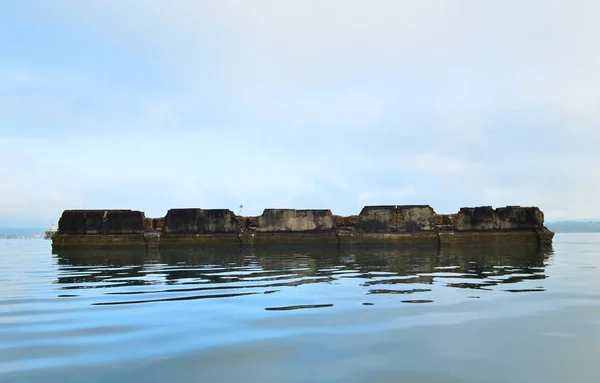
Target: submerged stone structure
column 375, row 225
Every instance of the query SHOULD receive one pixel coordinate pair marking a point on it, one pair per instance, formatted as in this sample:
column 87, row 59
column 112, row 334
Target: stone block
column 104, row 222
column 413, row 218
column 200, row 221
column 284, row 220
column 481, row 218
column 519, row 218
column 393, row 219
column 378, row 219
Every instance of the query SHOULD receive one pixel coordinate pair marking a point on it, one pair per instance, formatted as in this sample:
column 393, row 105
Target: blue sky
column 334, row 104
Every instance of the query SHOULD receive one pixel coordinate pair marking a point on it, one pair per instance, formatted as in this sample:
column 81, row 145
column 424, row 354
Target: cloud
column 329, row 104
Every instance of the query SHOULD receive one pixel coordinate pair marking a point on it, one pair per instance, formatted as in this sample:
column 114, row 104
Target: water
column 478, row 314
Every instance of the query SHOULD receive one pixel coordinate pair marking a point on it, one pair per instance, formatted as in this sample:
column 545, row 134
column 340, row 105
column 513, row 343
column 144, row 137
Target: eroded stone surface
column 415, row 218
column 394, row 224
column 345, row 223
column 200, row 221
column 282, row 220
column 516, row 217
column 392, row 219
column 481, row 218
column 378, row 219
column 106, row 222
column 485, row 218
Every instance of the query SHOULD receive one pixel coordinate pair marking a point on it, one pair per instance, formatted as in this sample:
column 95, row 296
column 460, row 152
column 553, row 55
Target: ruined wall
column 148, row 223
column 181, row 221
column 481, row 218
column 247, row 223
column 157, row 223
column 372, row 219
column 485, row 218
column 415, row 218
column 378, row 219
column 345, row 223
column 445, row 219
column 392, row 218
column 101, row 222
column 516, row 217
column 283, row 220
column 200, row 221
column 154, row 223
column 391, row 224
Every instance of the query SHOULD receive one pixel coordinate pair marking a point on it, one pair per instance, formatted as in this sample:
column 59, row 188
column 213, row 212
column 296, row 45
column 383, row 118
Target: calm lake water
column 474, row 314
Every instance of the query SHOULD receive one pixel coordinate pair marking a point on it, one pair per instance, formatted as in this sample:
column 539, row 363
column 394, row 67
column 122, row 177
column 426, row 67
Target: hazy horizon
column 298, row 104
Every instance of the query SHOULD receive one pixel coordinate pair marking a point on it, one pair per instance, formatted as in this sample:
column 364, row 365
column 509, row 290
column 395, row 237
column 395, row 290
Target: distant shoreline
column 21, row 233
column 574, row 226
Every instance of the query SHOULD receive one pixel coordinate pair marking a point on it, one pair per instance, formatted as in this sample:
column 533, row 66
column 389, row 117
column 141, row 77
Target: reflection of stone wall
column 398, row 272
column 278, row 220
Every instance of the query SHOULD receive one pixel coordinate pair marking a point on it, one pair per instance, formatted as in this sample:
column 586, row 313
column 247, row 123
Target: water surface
column 471, row 314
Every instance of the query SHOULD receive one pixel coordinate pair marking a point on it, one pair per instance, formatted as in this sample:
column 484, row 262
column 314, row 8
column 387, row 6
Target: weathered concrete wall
column 181, row 221
column 200, row 239
column 103, row 222
column 516, row 217
column 545, row 236
column 292, row 238
column 283, row 220
column 396, row 238
column 482, row 218
column 485, row 218
column 218, row 221
column 392, row 218
column 484, row 236
column 200, row 221
column 378, row 219
column 415, row 218
column 393, row 224
column 68, row 240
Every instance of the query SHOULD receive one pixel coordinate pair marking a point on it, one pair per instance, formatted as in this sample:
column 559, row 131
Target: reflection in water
column 132, row 275
column 296, row 307
column 297, row 314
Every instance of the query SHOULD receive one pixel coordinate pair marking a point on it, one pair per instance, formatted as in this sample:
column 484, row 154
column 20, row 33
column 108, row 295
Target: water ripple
column 89, row 305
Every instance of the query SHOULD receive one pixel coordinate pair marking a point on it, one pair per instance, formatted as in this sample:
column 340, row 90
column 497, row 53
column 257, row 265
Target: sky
column 337, row 104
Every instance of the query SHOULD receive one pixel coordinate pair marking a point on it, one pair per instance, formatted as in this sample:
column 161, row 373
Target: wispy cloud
column 331, row 104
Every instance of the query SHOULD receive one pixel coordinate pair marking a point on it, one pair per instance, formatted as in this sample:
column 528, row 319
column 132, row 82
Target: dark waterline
column 468, row 314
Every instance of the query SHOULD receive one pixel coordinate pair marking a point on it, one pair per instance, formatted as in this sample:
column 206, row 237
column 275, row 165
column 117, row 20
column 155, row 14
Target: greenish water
column 474, row 314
